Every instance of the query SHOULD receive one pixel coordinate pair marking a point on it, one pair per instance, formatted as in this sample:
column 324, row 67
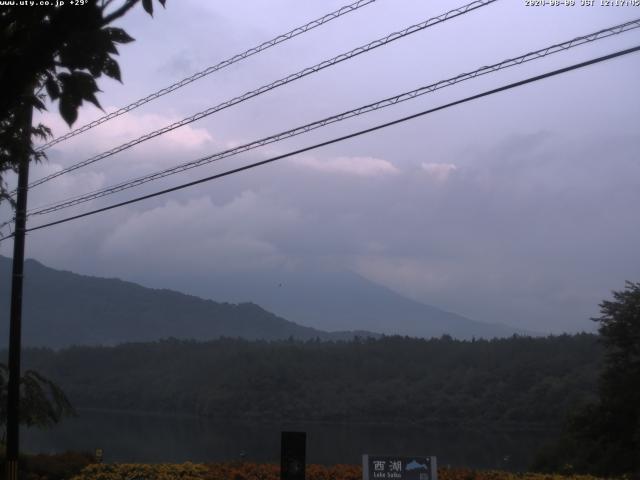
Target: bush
column 265, row 471
column 60, row 466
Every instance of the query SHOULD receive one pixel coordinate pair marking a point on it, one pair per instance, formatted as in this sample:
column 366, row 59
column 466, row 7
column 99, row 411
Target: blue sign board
column 386, row 467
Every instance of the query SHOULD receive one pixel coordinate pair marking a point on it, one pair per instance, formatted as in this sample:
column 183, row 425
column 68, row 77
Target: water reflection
column 128, row 437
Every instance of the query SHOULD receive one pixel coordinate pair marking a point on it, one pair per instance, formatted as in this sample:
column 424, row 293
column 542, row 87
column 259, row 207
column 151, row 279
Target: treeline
column 393, row 379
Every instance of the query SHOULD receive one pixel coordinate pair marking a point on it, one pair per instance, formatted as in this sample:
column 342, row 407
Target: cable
column 211, row 69
column 271, row 86
column 283, row 81
column 8, row 222
column 560, row 47
column 340, row 139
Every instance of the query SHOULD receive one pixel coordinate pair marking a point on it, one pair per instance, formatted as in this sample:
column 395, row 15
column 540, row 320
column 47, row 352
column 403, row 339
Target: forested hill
column 393, row 379
column 64, row 308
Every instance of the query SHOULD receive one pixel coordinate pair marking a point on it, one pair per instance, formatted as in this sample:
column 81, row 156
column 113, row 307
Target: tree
column 54, row 52
column 616, row 423
column 604, row 438
column 43, row 403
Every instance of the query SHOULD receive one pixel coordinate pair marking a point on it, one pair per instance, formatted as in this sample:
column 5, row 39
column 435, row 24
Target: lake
column 154, row 438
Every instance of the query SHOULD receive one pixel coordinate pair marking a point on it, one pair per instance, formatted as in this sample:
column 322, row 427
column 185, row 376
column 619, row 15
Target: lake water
column 149, row 438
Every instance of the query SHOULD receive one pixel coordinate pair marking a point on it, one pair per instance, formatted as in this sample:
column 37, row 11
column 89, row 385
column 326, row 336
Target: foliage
column 604, row 437
column 126, row 471
column 255, row 471
column 61, row 466
column 620, row 331
column 507, row 381
column 42, row 402
column 54, row 52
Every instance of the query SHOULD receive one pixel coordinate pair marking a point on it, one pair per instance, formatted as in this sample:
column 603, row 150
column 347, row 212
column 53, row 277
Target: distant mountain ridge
column 333, row 299
column 62, row 308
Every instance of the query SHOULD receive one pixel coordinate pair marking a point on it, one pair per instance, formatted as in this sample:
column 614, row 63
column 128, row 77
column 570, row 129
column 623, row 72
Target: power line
column 342, row 138
column 8, row 223
column 541, row 53
column 273, row 85
column 213, row 68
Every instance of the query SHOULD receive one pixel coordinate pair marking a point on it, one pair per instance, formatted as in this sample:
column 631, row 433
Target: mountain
column 63, row 308
column 332, row 299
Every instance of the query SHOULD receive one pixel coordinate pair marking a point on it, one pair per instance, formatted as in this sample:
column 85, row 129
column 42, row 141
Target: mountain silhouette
column 62, row 308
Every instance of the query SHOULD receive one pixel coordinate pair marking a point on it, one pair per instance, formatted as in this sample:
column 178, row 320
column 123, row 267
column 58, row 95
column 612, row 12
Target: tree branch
column 128, row 5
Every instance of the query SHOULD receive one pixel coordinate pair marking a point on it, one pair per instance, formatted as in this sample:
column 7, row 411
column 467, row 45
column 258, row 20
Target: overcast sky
column 519, row 208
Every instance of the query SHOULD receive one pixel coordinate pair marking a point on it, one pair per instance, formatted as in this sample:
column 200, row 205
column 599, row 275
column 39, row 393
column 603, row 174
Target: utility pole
column 15, row 329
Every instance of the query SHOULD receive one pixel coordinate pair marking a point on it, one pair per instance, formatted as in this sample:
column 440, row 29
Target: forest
column 513, row 381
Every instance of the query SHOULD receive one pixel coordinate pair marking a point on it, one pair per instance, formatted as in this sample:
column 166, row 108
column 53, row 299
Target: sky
column 518, row 208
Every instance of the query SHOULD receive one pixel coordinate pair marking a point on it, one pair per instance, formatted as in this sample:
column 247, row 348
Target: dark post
column 15, row 333
column 292, row 456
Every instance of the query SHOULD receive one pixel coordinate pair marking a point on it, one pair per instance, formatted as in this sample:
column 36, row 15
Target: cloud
column 413, row 275
column 125, row 128
column 198, row 234
column 535, row 230
column 63, row 186
column 180, row 64
column 360, row 166
column 181, row 145
column 483, row 246
column 439, row 171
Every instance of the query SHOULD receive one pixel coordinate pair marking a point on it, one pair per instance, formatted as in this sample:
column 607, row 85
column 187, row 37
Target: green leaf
column 83, row 87
column 105, row 42
column 148, row 6
column 68, row 109
column 118, row 35
column 76, row 88
column 53, row 89
column 37, row 103
column 90, row 97
column 41, row 131
column 95, row 66
column 112, row 69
